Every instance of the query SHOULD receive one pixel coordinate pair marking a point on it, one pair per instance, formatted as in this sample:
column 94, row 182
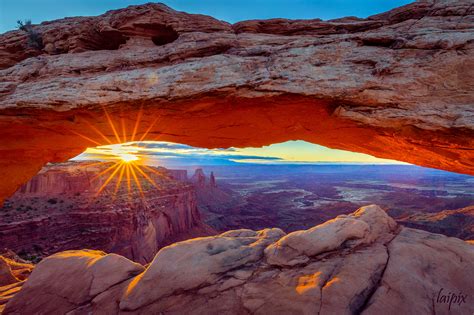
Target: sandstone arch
column 396, row 85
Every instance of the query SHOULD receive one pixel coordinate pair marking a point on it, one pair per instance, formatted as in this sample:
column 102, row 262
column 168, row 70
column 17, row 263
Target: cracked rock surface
column 396, row 85
column 383, row 269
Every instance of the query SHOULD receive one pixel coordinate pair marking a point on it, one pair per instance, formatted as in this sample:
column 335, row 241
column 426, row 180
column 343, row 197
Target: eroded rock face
column 73, row 278
column 396, row 85
column 456, row 223
column 382, row 269
column 61, row 209
column 13, row 272
column 6, row 274
column 196, row 263
column 364, row 226
column 433, row 254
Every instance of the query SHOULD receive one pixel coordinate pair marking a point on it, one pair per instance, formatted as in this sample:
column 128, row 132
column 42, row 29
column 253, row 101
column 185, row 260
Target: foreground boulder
column 65, row 280
column 360, row 263
column 364, row 226
column 196, row 263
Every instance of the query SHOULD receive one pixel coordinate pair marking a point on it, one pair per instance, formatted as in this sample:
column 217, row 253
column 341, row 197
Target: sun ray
column 120, row 165
column 128, row 157
column 112, row 126
column 105, row 171
column 87, row 138
column 124, row 165
column 98, row 132
column 137, row 122
column 153, row 170
column 119, row 180
column 137, row 167
column 137, row 182
column 124, row 130
column 129, row 184
column 149, row 128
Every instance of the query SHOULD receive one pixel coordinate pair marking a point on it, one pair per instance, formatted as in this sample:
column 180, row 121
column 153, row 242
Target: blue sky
column 228, row 10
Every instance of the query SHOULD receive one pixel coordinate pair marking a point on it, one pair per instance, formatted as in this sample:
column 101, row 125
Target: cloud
column 177, row 154
column 290, row 152
column 160, row 145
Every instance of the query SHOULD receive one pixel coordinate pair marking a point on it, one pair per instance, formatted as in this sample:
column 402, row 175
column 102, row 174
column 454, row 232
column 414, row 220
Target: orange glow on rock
column 308, row 282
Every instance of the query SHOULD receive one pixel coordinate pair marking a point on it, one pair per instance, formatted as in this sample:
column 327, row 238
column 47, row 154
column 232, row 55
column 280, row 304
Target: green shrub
column 35, row 40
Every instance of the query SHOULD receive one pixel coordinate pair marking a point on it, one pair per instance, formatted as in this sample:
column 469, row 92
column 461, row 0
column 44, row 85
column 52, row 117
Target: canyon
column 349, row 264
column 60, row 209
column 395, row 85
column 296, row 197
column 402, row 80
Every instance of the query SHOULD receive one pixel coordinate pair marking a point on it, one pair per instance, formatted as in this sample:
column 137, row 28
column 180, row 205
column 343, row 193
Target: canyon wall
column 395, row 85
column 455, row 223
column 58, row 210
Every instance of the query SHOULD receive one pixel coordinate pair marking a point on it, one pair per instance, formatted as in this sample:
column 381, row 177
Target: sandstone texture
column 395, row 85
column 455, row 223
column 366, row 265
column 60, row 209
column 6, row 274
column 75, row 277
column 13, row 272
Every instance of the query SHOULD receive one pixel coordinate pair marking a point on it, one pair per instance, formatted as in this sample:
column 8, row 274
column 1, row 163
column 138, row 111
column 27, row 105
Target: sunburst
column 127, row 167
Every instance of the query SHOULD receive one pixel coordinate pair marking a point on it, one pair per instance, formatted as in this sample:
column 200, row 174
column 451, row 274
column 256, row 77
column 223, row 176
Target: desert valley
column 48, row 213
column 296, row 197
column 154, row 161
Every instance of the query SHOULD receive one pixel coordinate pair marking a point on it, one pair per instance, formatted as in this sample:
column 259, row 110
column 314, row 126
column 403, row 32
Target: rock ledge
column 360, row 263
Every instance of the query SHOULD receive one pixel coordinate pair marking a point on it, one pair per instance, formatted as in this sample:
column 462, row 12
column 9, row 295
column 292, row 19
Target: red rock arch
column 396, row 85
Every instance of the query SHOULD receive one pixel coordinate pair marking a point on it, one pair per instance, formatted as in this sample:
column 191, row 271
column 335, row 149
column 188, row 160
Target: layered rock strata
column 395, row 85
column 13, row 272
column 455, row 223
column 61, row 208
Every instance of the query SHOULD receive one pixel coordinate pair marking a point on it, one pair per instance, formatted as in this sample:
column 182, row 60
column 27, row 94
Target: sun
column 127, row 166
column 128, row 157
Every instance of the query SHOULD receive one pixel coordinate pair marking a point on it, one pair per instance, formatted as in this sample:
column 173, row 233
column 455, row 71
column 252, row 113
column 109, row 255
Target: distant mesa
column 199, row 179
column 455, row 223
column 180, row 175
column 212, row 180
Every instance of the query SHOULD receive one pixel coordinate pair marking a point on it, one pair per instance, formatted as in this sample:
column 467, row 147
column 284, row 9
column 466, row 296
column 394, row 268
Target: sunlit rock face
column 455, row 223
column 395, row 85
column 367, row 264
column 60, row 209
column 13, row 272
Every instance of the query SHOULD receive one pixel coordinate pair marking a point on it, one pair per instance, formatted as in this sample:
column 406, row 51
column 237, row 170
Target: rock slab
column 373, row 266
